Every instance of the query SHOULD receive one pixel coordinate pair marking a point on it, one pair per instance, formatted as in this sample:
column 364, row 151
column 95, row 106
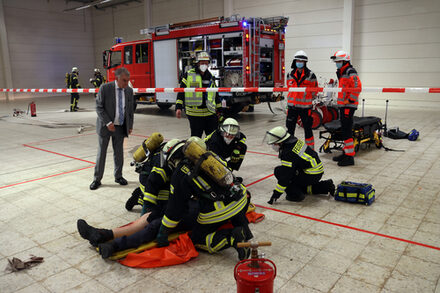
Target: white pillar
column 5, row 52
column 348, row 26
column 228, row 8
column 201, row 9
column 148, row 13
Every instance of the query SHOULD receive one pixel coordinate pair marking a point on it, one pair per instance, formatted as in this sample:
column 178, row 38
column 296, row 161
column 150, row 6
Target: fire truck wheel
column 164, row 106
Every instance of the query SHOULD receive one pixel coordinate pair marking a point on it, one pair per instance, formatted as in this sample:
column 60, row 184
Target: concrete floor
column 44, row 188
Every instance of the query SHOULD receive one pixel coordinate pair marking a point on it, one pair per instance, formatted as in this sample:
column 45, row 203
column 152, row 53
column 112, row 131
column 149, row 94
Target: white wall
column 45, row 42
column 396, row 43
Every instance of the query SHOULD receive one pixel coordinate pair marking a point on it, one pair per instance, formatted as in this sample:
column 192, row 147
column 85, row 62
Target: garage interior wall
column 44, row 43
column 396, row 43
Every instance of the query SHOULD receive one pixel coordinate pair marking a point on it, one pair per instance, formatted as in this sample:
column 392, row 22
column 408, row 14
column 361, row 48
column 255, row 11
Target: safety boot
column 346, row 161
column 133, row 200
column 338, row 158
column 107, row 249
column 94, row 235
column 331, row 187
column 238, row 235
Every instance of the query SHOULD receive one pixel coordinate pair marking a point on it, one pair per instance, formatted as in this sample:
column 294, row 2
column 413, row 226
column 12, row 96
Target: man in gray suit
column 114, row 106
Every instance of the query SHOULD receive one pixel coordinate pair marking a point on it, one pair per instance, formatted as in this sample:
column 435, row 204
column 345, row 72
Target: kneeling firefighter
column 154, row 187
column 221, row 199
column 228, row 142
column 301, row 169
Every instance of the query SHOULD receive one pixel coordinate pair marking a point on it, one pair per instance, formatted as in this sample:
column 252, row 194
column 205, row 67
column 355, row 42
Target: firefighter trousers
column 202, row 124
column 302, row 184
column 306, row 119
column 74, row 97
column 211, row 238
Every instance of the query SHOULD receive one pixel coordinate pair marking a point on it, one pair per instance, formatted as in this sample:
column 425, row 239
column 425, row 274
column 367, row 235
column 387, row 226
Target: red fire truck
column 245, row 52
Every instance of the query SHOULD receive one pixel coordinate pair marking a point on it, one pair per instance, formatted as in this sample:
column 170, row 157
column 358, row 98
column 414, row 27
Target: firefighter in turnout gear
column 74, row 84
column 301, row 169
column 155, row 191
column 218, row 204
column 154, row 187
column 300, row 103
column 228, row 142
column 348, row 103
column 97, row 79
column 201, row 108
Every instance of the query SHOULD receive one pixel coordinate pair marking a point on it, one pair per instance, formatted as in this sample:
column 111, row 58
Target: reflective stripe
column 164, row 194
column 201, row 183
column 225, row 213
column 208, row 247
column 280, row 188
column 219, row 205
column 167, row 222
column 161, row 172
column 299, row 149
column 150, row 197
column 179, row 102
column 286, row 163
column 202, row 112
column 243, row 140
column 309, row 189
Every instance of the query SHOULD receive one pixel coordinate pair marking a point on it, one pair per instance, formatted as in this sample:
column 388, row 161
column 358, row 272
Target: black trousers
column 302, row 184
column 306, row 119
column 74, row 97
column 205, row 124
column 346, row 115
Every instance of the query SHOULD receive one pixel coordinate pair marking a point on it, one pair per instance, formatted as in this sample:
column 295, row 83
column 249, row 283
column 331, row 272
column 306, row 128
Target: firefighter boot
column 94, row 235
column 107, row 249
column 238, row 235
column 338, row 158
column 346, row 161
column 134, row 199
column 322, row 187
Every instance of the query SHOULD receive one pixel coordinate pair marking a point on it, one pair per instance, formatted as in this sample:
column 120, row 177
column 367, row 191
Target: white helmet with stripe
column 301, row 56
column 340, row 55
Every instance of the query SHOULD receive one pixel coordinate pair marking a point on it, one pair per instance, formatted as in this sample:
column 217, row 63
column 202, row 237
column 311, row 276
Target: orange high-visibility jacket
column 348, row 78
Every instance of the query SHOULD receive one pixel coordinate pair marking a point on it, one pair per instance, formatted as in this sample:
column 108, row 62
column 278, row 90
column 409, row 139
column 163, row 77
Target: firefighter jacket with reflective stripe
column 301, row 78
column 98, row 80
column 235, row 151
column 155, row 185
column 198, row 103
column 74, row 82
column 216, row 203
column 296, row 156
column 348, row 78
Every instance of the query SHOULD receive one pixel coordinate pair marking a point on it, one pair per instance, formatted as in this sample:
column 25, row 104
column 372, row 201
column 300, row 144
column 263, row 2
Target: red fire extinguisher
column 255, row 274
column 33, row 109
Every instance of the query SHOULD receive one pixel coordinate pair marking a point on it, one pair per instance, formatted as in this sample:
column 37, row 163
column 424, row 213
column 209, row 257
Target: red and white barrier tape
column 419, row 90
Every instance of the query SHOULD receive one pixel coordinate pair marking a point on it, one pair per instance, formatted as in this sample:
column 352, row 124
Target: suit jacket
column 106, row 108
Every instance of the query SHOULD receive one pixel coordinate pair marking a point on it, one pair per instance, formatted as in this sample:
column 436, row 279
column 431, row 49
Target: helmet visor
column 230, row 129
column 271, row 138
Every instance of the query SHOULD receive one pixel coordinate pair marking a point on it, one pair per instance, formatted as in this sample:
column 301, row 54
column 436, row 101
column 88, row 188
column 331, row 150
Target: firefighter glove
column 162, row 237
column 275, row 195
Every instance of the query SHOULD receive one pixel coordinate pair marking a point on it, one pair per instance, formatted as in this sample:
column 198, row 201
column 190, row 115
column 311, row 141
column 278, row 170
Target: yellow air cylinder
column 210, row 165
column 148, row 146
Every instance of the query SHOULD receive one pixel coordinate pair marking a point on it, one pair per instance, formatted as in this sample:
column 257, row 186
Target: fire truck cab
column 245, row 52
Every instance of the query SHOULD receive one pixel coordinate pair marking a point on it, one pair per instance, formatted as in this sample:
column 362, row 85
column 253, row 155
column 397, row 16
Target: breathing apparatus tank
column 209, row 163
column 148, row 146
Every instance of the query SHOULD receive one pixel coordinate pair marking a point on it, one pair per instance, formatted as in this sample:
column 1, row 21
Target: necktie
column 121, row 109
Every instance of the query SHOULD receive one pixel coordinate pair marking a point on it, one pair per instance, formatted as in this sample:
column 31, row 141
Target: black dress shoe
column 121, row 181
column 95, row 184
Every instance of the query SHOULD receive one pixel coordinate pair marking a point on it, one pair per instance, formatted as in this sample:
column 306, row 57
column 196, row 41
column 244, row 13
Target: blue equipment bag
column 355, row 192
